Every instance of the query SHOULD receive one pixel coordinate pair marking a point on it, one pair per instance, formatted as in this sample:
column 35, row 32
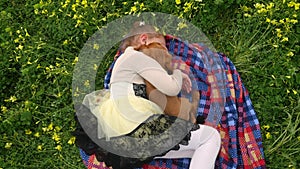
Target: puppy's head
column 158, row 53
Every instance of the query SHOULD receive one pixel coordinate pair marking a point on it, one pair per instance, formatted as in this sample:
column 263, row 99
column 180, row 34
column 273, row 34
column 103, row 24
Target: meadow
column 40, row 41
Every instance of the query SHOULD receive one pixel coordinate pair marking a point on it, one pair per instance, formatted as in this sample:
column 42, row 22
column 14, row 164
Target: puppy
column 172, row 105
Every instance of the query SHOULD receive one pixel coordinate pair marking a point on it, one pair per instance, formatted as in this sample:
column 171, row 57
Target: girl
column 122, row 112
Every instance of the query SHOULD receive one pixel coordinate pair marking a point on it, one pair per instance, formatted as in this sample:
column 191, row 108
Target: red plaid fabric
column 238, row 124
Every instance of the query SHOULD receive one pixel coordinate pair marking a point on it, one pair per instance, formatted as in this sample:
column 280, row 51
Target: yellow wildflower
column 75, row 16
column 44, row 129
column 181, row 25
column 178, row 2
column 266, row 127
column 285, row 39
column 247, row 15
column 245, row 8
column 96, row 46
column 268, row 20
column 26, row 33
column 294, row 4
column 57, row 128
column 75, row 60
column 74, row 7
column 290, row 54
column 11, row 99
column 259, row 6
column 27, row 103
column 65, row 42
column 274, row 22
column 187, row 7
column 72, row 140
column 8, row 145
column 44, row 11
column 3, row 109
column 281, row 21
column 279, row 35
column 271, row 5
column 95, row 67
column 295, row 92
column 262, row 10
column 47, row 68
column 36, row 11
column 20, row 47
column 50, row 126
column 273, row 76
column 64, row 5
column 87, row 83
column 133, row 9
column 278, row 30
column 288, row 77
column 37, row 134
column 39, row 147
column 58, row 95
column 58, row 147
column 297, row 5
column 78, row 23
column 56, row 137
column 84, row 3
column 291, row 4
column 28, row 131
column 83, row 31
column 268, row 135
column 142, row 5
column 287, row 19
column 294, row 21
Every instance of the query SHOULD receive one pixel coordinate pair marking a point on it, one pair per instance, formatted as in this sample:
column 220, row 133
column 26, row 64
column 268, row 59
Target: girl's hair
column 136, row 30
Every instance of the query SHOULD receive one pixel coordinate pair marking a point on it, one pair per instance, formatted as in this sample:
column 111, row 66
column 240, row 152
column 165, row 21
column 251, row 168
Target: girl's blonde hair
column 138, row 28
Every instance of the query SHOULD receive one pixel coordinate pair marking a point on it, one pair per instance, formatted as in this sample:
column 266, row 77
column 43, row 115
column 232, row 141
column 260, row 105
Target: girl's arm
column 149, row 69
column 162, row 81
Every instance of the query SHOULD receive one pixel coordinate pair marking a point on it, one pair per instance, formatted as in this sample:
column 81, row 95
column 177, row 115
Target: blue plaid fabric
column 238, row 125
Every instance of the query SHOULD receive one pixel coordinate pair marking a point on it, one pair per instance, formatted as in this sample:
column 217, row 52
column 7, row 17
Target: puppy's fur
column 172, row 105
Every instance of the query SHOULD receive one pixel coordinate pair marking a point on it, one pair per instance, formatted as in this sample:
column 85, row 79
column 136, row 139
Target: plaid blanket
column 238, row 124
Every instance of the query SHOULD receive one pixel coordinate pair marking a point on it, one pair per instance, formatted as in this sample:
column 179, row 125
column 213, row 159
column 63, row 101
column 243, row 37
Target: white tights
column 203, row 148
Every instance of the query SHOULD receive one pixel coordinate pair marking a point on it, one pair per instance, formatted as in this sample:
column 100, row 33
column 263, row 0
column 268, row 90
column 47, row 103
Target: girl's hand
column 186, row 83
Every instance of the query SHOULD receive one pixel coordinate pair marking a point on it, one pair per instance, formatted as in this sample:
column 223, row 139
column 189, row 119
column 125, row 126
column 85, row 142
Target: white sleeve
column 161, row 80
column 152, row 71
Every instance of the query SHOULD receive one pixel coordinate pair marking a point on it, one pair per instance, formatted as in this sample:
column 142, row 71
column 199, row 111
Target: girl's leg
column 203, row 148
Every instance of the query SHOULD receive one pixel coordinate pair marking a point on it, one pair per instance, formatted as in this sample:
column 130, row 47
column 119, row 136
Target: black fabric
column 155, row 125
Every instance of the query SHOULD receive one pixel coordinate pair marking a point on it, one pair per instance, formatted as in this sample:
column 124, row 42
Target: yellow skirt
column 119, row 116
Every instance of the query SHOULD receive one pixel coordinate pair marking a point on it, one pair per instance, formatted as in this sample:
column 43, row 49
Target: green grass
column 40, row 41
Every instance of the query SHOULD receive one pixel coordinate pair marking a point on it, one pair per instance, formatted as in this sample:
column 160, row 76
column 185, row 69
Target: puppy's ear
column 140, row 48
column 168, row 62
